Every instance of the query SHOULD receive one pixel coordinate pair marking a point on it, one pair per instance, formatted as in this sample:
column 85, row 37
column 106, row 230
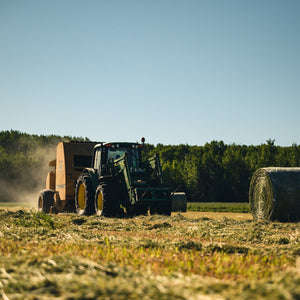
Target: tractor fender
column 93, row 175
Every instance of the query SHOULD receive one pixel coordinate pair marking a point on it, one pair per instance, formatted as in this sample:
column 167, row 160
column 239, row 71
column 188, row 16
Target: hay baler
column 71, row 159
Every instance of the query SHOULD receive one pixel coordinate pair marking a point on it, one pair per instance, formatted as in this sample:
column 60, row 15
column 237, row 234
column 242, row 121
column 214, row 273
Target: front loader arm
column 156, row 166
column 122, row 169
column 153, row 191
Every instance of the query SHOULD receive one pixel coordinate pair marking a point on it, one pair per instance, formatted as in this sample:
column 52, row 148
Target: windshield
column 132, row 155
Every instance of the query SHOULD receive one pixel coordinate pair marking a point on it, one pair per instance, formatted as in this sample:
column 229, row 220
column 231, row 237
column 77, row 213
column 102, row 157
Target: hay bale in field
column 179, row 202
column 274, row 194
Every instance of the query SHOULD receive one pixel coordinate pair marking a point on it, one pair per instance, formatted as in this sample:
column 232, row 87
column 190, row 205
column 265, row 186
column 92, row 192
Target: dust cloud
column 24, row 184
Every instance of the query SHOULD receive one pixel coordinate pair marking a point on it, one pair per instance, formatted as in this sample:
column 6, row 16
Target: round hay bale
column 179, row 202
column 274, row 194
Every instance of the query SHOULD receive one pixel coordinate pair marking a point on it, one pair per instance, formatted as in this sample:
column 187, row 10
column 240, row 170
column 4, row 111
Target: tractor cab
column 110, row 154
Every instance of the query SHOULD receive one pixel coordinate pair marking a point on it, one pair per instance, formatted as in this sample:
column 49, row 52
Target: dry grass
column 217, row 215
column 185, row 256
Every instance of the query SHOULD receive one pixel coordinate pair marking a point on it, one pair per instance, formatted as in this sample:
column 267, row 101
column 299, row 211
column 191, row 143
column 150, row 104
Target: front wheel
column 84, row 195
column 46, row 200
column 105, row 202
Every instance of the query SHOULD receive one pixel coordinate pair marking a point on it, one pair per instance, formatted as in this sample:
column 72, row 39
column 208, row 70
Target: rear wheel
column 84, row 195
column 105, row 201
column 46, row 200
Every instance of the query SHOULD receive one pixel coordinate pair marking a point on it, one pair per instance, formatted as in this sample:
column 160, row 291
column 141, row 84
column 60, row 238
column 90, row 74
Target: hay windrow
column 274, row 194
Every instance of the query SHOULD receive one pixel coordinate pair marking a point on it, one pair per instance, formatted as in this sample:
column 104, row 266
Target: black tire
column 45, row 201
column 164, row 208
column 142, row 210
column 84, row 196
column 153, row 209
column 105, row 201
column 137, row 210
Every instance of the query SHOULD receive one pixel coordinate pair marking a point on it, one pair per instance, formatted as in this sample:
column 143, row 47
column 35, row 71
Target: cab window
column 132, row 155
column 97, row 160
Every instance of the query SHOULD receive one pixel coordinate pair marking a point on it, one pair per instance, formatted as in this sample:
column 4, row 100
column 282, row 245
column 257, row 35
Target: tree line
column 217, row 172
column 214, row 172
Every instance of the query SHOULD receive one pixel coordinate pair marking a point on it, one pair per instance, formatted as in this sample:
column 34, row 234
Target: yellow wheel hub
column 100, row 202
column 81, row 196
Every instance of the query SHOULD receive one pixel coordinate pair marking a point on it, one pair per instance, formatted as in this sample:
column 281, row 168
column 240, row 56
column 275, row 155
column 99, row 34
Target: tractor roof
column 117, row 144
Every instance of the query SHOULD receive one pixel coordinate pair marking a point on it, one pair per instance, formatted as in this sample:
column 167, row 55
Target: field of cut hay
column 193, row 255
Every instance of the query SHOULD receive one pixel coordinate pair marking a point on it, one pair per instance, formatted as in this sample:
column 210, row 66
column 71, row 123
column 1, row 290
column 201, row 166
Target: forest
column 214, row 172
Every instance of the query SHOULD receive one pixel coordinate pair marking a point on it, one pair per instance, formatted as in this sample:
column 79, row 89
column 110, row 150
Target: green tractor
column 120, row 182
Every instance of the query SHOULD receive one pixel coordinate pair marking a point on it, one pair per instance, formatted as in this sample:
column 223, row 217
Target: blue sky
column 176, row 72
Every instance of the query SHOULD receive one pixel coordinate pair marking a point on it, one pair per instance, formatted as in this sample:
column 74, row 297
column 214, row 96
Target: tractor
column 120, row 182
